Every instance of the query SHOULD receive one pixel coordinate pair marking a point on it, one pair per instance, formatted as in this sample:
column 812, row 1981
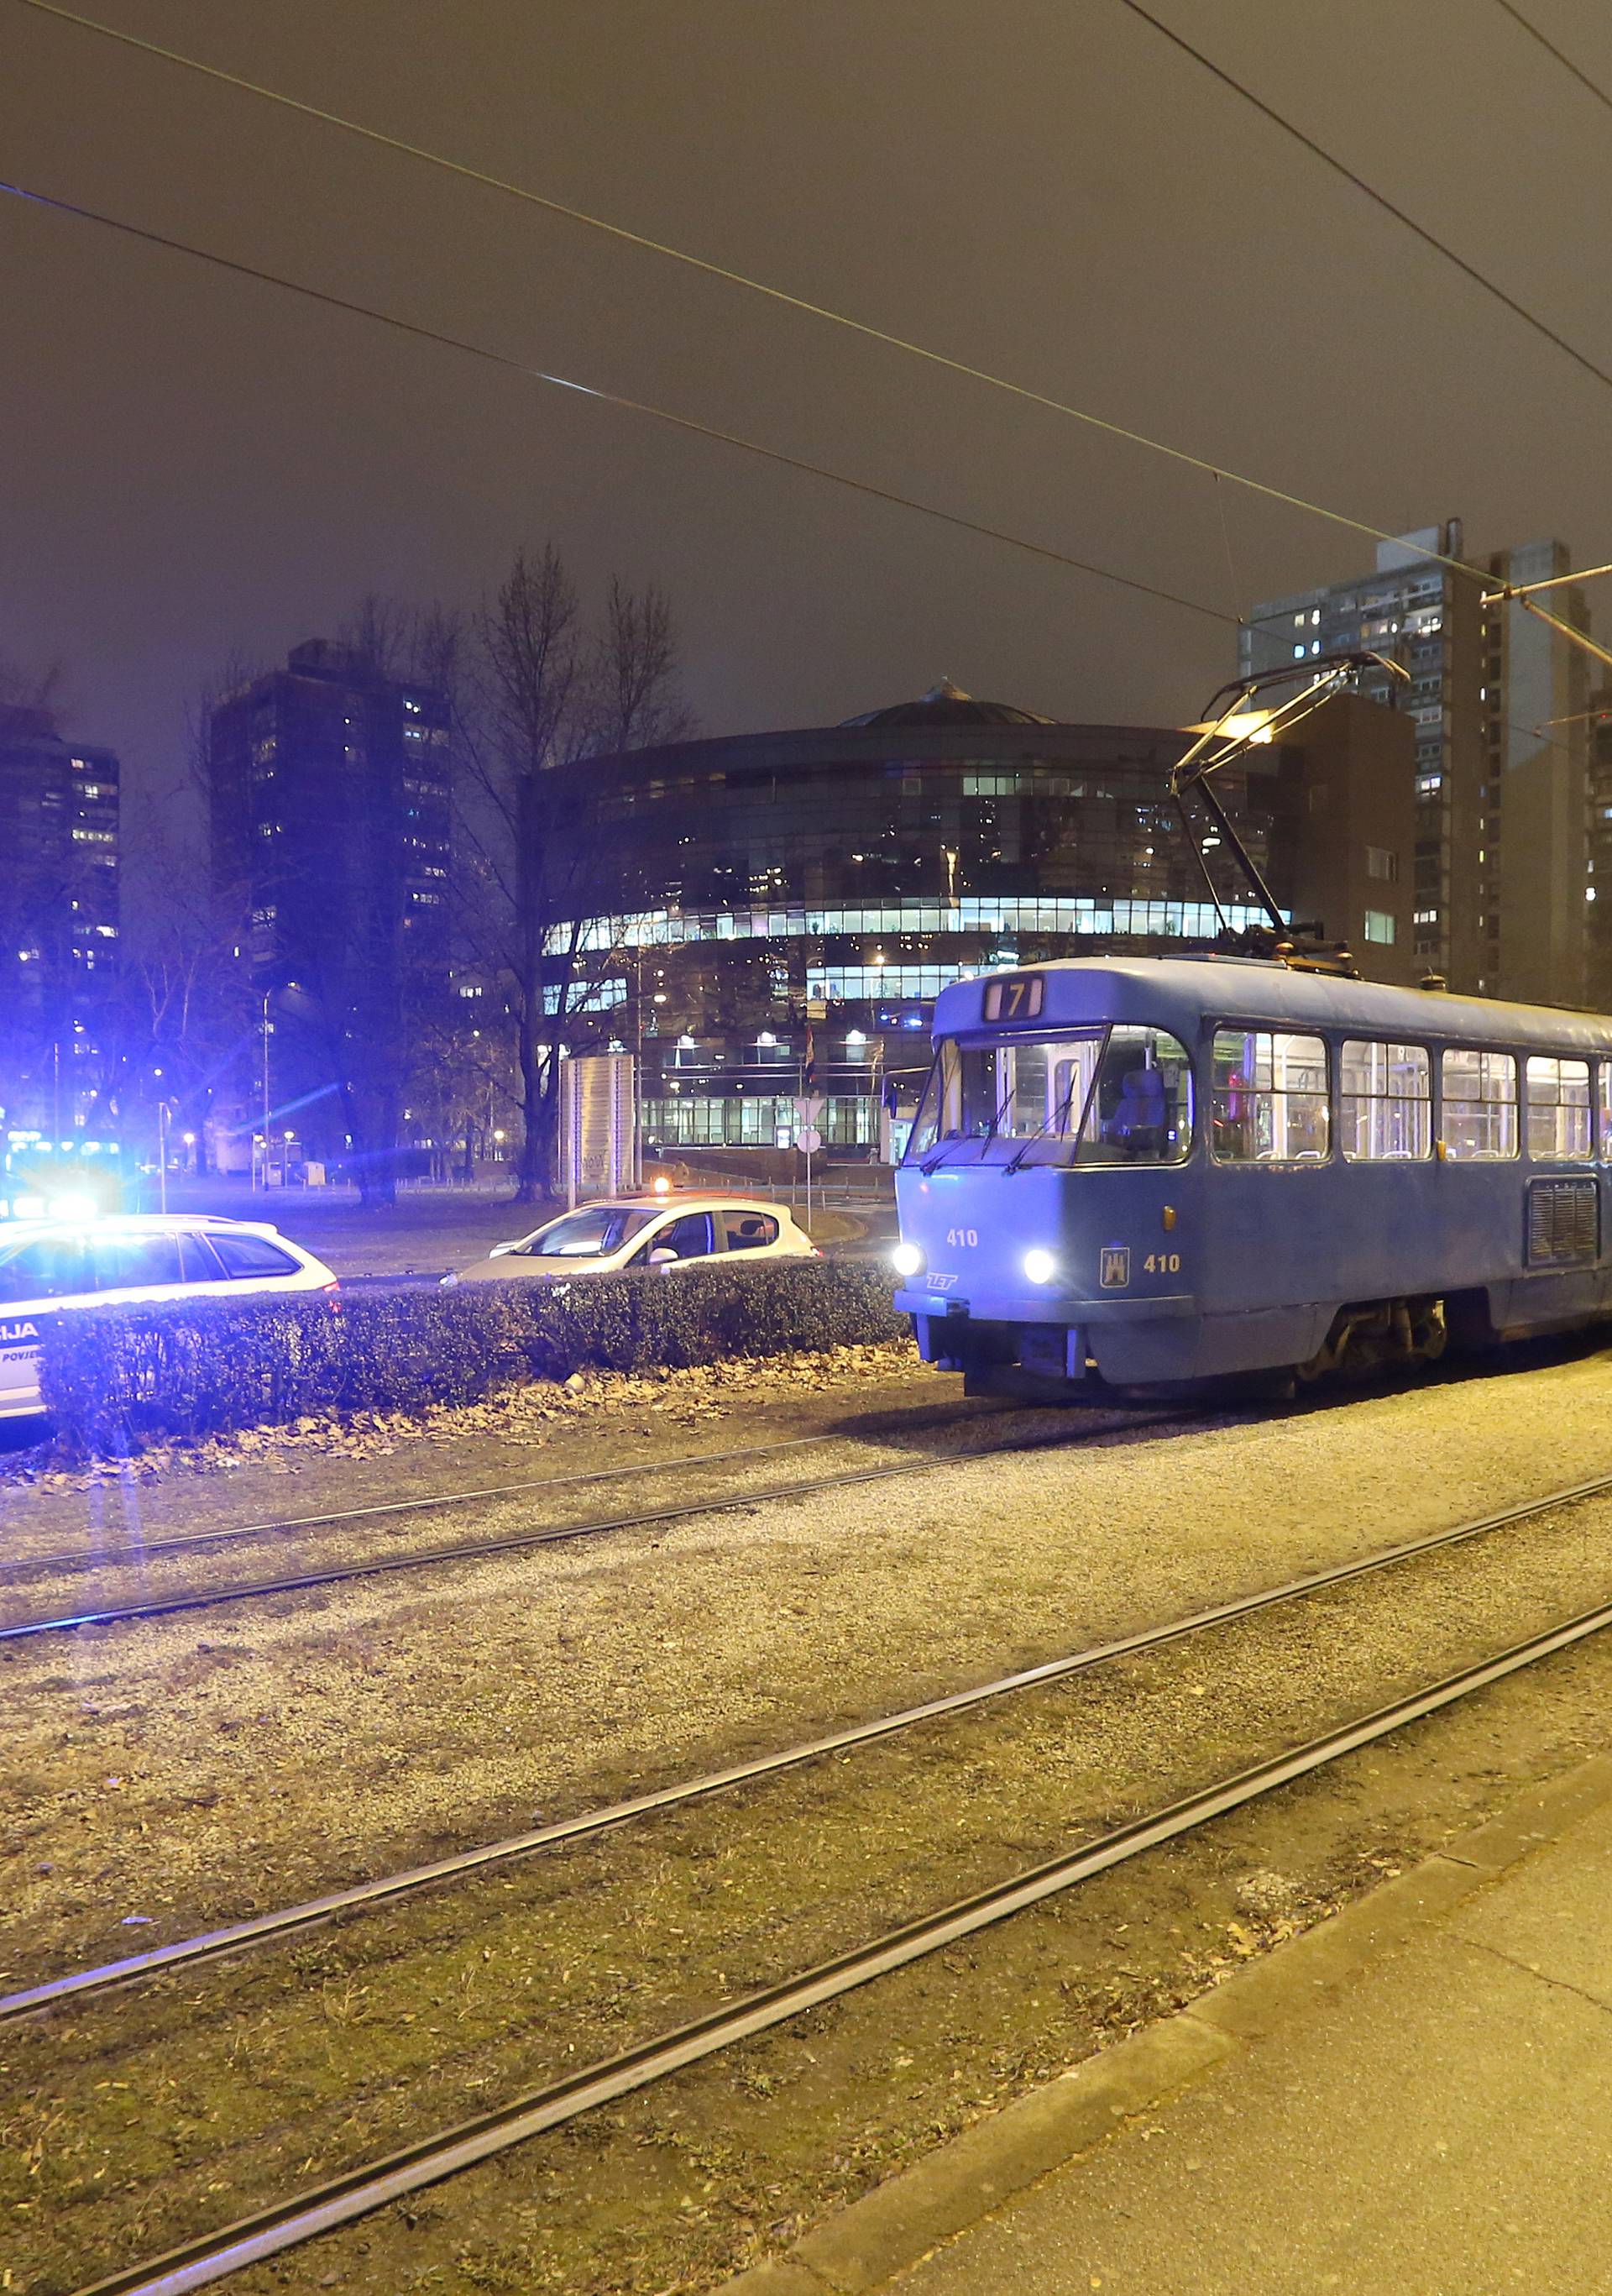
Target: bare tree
column 39, row 691
column 633, row 692
column 381, row 631
column 530, row 655
column 462, row 1075
column 542, row 877
column 185, row 1016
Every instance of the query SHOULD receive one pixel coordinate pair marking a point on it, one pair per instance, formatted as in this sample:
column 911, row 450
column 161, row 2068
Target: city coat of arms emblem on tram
column 1114, row 1267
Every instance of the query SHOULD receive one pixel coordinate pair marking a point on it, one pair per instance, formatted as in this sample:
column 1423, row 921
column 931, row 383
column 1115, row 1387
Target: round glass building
column 768, row 911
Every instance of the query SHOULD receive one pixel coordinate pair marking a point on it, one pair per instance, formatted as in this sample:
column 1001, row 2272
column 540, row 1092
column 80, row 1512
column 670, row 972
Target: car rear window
column 197, row 1261
column 52, row 1267
column 252, row 1255
column 747, row 1231
column 127, row 1263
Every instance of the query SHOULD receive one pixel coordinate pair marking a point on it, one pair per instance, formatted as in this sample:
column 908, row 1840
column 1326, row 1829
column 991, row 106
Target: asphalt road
column 430, row 1231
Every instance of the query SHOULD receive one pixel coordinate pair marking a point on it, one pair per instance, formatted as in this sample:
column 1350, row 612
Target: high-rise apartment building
column 1533, row 860
column 1500, row 856
column 58, row 923
column 330, row 822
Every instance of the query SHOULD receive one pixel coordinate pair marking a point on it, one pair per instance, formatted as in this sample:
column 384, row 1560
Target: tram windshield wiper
column 1050, row 1124
column 1054, row 1121
column 932, row 1163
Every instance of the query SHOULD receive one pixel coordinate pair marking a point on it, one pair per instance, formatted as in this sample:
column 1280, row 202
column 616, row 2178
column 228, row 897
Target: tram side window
column 1603, row 1072
column 1479, row 1104
column 1270, row 1097
column 1385, row 1106
column 1559, row 1109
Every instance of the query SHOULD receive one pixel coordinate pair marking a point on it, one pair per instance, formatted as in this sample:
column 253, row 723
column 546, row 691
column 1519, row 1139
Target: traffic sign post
column 808, row 1139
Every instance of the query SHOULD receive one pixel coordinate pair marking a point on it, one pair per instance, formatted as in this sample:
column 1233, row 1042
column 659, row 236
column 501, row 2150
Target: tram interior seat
column 1138, row 1122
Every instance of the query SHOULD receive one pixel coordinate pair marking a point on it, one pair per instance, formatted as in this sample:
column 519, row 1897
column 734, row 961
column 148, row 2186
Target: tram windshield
column 1113, row 1095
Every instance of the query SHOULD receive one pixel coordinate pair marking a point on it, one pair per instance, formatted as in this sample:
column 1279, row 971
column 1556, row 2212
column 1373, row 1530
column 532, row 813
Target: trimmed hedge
column 115, row 1378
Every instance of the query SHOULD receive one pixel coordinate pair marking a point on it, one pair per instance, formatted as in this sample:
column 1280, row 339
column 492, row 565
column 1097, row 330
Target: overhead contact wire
column 1550, row 49
column 685, row 422
column 487, row 181
column 1367, row 190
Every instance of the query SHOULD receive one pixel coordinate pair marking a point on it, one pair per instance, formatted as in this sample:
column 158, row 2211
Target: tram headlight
column 1040, row 1266
column 907, row 1259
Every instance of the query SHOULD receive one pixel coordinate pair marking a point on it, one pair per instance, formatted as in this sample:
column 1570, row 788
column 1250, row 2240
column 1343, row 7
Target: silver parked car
column 660, row 1231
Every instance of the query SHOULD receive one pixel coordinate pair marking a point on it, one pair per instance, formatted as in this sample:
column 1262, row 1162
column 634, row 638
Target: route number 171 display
column 1016, row 998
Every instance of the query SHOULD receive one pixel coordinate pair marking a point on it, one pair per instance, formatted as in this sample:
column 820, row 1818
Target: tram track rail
column 344, row 2199
column 79, row 1986
column 728, row 1502
column 13, row 1567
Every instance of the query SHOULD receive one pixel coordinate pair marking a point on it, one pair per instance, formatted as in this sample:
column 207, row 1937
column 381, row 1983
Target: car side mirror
column 662, row 1256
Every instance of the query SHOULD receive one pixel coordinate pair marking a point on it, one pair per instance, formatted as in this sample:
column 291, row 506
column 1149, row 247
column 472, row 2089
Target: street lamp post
column 266, row 1087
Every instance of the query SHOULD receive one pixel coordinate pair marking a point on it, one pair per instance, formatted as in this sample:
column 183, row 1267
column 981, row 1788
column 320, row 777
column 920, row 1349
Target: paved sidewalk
column 1414, row 2098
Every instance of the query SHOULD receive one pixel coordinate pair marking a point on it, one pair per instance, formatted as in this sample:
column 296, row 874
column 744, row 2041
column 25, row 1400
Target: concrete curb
column 868, row 2244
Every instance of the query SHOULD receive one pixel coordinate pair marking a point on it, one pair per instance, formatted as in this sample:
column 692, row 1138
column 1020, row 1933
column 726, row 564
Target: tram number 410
column 962, row 1236
column 1163, row 1263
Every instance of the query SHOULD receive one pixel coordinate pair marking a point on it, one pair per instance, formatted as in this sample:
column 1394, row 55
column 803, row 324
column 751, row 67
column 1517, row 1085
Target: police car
column 50, row 1268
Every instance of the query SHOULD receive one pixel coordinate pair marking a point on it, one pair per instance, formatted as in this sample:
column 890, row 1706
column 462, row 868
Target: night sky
column 196, row 467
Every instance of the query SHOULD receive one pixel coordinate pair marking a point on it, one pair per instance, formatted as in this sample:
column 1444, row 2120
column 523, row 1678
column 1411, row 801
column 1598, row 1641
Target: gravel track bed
column 185, row 1772
column 529, row 1428
column 164, row 1777
column 295, row 2064
column 38, row 1588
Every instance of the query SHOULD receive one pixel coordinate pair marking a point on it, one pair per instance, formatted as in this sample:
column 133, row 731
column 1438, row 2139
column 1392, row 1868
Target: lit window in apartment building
column 1379, row 927
column 1382, row 863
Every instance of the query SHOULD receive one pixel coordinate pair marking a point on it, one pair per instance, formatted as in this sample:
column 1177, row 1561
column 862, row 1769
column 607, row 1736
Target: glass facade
column 782, row 910
column 755, row 1121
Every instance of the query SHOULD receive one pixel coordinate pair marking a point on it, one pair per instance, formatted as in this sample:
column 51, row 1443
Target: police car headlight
column 907, row 1259
column 1040, row 1266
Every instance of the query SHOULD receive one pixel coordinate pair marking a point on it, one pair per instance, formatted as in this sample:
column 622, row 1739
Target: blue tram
column 1144, row 1171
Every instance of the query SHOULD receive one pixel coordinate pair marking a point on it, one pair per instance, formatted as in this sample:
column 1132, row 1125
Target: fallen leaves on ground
column 527, row 1414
